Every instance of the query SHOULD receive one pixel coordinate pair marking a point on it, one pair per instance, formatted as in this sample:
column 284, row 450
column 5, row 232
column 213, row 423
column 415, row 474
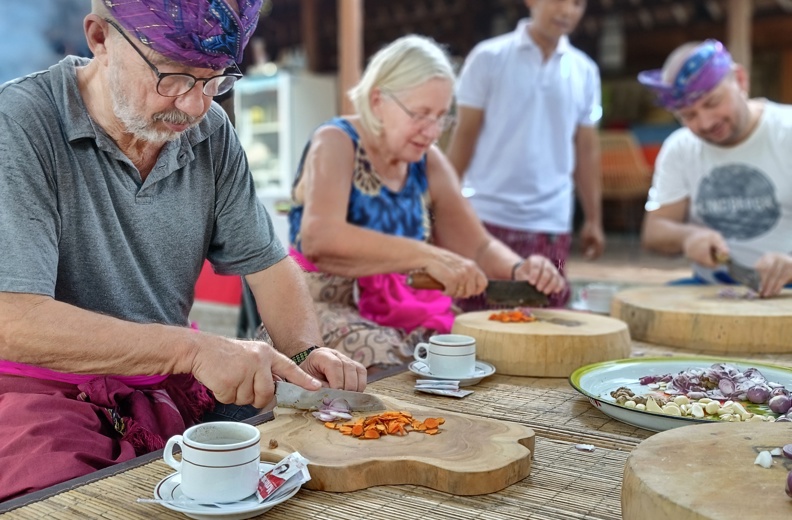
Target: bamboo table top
column 564, row 483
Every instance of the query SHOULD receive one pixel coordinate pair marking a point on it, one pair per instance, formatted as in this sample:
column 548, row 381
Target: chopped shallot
column 333, row 410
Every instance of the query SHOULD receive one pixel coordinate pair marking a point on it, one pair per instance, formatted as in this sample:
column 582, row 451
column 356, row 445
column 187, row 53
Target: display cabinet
column 275, row 116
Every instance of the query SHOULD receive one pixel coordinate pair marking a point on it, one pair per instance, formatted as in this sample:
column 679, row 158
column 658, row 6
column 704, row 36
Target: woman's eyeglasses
column 443, row 122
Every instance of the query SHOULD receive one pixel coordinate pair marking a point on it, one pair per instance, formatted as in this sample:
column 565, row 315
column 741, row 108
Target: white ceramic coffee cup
column 598, row 297
column 448, row 355
column 220, row 461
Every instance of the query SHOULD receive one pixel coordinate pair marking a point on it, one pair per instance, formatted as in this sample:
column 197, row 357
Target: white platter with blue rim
column 598, row 380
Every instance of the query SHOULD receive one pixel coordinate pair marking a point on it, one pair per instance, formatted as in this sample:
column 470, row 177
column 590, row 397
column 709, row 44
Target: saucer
column 482, row 370
column 169, row 488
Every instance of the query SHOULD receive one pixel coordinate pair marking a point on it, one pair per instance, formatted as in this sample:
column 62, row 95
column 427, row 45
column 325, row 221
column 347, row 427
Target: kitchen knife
column 513, row 293
column 744, row 275
column 293, row 396
column 739, row 273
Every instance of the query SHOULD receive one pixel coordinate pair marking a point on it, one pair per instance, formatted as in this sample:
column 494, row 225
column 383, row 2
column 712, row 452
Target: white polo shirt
column 521, row 171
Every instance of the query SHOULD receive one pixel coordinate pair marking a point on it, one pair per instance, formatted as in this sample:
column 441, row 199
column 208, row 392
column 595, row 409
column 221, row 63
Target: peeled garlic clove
column 712, row 407
column 697, row 411
column 652, row 406
column 764, row 459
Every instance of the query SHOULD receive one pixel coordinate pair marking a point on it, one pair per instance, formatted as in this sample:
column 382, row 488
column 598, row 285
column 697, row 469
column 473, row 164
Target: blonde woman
column 375, row 198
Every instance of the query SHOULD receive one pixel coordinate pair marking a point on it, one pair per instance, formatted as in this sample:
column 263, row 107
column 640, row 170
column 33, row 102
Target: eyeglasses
column 173, row 84
column 443, row 123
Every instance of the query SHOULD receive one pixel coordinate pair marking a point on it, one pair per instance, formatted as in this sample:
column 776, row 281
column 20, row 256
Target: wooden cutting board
column 707, row 472
column 698, row 319
column 470, row 456
column 555, row 346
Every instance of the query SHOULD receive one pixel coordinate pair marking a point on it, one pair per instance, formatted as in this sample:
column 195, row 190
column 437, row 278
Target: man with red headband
column 118, row 177
column 722, row 185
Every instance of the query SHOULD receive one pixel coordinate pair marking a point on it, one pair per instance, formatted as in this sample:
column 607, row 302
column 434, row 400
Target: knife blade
column 739, row 273
column 744, row 275
column 293, row 396
column 498, row 292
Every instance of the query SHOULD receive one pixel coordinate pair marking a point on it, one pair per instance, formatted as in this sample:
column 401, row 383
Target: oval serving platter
column 598, row 380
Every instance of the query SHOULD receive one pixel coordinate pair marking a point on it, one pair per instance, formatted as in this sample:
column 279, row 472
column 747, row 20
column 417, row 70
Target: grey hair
column 403, row 64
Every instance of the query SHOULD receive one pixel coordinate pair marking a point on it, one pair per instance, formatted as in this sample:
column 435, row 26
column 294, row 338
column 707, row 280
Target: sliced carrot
column 387, row 423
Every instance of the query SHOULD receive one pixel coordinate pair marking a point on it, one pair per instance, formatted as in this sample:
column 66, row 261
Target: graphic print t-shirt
column 744, row 192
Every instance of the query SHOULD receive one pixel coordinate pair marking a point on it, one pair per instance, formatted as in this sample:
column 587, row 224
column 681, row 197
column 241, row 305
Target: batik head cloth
column 196, row 33
column 706, row 66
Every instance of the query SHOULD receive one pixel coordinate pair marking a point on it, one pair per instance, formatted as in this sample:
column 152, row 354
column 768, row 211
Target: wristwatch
column 302, row 356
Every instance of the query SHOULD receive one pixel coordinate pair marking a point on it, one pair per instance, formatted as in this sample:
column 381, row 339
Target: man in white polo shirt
column 528, row 107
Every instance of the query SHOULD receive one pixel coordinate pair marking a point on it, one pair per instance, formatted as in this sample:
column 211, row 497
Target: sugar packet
column 284, row 477
column 441, row 387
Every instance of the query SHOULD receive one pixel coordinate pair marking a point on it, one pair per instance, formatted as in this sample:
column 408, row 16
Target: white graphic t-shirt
column 744, row 192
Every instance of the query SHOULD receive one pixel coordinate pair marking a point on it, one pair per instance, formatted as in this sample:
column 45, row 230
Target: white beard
column 138, row 125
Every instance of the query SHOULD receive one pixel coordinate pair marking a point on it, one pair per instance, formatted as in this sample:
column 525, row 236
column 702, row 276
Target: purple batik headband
column 196, row 33
column 709, row 63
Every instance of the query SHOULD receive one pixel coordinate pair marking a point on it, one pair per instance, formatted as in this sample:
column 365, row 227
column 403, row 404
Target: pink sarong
column 387, row 300
column 53, row 431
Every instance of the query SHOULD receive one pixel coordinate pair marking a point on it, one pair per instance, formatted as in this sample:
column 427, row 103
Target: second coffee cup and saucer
column 450, row 357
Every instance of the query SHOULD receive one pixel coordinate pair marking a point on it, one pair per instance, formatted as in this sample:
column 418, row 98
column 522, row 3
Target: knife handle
column 423, row 280
column 718, row 257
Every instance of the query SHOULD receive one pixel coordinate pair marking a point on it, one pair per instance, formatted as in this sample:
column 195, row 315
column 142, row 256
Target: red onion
column 789, row 484
column 758, row 394
column 337, row 409
column 780, row 404
column 786, row 451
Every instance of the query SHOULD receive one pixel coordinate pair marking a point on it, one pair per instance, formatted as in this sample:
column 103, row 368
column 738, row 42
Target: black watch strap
column 302, row 356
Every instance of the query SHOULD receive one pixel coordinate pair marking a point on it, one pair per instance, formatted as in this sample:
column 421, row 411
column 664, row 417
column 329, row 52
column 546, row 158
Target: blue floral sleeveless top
column 372, row 205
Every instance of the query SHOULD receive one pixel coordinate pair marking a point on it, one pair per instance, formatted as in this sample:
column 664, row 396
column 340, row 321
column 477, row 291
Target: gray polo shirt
column 77, row 222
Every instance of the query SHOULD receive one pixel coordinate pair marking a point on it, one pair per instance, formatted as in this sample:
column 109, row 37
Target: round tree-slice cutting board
column 556, row 345
column 471, row 455
column 697, row 318
column 707, row 471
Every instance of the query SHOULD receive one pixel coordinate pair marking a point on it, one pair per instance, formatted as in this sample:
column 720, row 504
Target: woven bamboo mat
column 564, row 484
column 551, row 407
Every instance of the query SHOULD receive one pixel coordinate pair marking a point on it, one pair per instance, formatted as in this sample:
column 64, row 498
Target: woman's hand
column 540, row 272
column 460, row 276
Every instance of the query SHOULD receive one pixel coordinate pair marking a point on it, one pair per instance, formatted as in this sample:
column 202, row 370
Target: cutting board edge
column 438, row 475
column 452, row 484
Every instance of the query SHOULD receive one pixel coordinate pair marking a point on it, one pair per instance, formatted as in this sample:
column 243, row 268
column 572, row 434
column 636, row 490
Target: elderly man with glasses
column 118, row 178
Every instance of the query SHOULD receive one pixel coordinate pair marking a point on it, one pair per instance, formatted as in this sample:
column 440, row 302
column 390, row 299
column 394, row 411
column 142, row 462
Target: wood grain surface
column 696, row 318
column 555, row 346
column 470, row 456
column 707, row 472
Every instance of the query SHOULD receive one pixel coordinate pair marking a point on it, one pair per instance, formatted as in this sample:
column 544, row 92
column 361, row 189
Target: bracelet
column 515, row 267
column 302, row 356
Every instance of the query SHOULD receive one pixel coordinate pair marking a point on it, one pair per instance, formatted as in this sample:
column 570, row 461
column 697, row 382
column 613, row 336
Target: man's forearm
column 286, row 307
column 38, row 330
column 666, row 236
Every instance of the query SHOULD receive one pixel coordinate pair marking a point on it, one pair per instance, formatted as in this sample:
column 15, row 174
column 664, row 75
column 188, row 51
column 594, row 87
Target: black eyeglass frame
column 444, row 122
column 162, row 75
